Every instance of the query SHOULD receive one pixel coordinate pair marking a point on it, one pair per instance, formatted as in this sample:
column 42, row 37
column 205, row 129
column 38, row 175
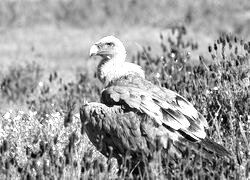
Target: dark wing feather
column 112, row 128
column 164, row 106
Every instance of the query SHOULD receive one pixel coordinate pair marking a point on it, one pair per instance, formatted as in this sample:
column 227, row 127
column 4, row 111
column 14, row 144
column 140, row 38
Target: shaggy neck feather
column 111, row 69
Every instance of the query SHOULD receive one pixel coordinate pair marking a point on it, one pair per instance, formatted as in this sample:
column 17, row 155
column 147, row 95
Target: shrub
column 49, row 149
column 20, row 81
column 55, row 95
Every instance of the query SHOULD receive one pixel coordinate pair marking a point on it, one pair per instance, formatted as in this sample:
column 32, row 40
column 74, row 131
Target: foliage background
column 188, row 46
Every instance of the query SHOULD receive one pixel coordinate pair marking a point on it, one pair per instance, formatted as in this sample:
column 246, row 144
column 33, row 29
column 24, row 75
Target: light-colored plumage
column 134, row 113
column 113, row 64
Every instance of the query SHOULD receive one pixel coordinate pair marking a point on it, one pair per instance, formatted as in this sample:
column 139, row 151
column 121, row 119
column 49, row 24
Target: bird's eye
column 110, row 44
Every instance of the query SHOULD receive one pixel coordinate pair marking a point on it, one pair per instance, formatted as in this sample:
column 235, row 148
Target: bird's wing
column 112, row 127
column 166, row 107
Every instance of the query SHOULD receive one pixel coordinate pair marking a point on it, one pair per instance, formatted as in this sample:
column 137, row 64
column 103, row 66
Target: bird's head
column 108, row 47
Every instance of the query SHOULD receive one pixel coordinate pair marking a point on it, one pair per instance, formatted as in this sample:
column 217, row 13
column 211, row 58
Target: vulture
column 135, row 117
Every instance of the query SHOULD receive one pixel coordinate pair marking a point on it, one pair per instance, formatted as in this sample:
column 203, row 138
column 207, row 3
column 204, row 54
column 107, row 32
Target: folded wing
column 166, row 107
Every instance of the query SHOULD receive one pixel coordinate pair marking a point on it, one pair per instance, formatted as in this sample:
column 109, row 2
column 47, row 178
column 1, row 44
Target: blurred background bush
column 57, row 33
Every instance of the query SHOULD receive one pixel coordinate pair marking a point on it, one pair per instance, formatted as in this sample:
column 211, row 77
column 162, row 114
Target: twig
column 143, row 50
column 242, row 131
column 216, row 122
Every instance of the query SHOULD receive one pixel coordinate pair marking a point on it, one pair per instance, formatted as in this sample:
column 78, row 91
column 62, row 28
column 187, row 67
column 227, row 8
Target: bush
column 55, row 95
column 20, row 81
column 35, row 149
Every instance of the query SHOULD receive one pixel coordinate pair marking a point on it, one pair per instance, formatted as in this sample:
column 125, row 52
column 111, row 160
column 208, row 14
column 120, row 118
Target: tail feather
column 206, row 145
column 212, row 146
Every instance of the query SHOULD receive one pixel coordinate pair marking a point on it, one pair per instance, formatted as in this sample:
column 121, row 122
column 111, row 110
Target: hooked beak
column 93, row 50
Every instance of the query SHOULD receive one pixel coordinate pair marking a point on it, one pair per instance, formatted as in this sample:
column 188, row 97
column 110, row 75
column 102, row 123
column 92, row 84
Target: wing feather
column 112, row 127
column 164, row 106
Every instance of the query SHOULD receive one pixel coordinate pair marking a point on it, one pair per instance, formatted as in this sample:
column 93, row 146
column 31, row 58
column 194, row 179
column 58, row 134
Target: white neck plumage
column 112, row 68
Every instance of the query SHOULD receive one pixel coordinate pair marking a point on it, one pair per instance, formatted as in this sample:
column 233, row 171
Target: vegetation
column 98, row 12
column 48, row 141
column 186, row 47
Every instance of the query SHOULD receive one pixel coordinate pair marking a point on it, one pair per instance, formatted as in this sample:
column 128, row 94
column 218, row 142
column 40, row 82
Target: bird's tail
column 208, row 147
column 213, row 147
